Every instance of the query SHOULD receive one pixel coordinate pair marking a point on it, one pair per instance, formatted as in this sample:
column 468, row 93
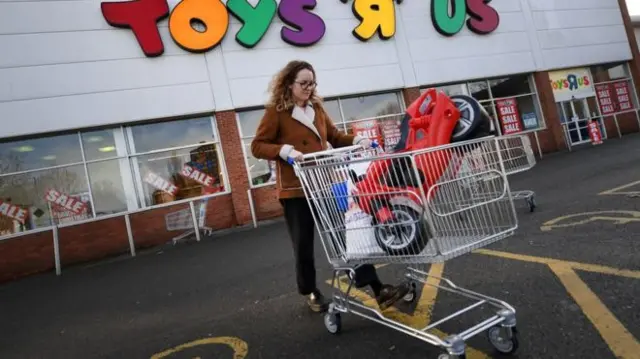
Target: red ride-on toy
column 389, row 191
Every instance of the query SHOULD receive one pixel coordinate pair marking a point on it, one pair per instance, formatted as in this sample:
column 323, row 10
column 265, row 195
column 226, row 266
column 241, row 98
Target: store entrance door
column 575, row 119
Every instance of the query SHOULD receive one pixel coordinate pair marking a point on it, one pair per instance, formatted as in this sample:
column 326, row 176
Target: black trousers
column 301, row 228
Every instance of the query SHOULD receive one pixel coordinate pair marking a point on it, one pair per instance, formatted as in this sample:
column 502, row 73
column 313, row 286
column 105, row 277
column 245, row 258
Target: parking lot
column 572, row 271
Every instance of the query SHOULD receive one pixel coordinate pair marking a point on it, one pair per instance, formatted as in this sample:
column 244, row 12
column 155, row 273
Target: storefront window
column 157, row 136
column 190, row 166
column 30, row 154
column 98, row 145
column 42, row 198
column 59, row 179
column 380, row 110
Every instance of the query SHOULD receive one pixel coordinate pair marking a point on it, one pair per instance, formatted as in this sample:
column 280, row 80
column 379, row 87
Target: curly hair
column 281, row 97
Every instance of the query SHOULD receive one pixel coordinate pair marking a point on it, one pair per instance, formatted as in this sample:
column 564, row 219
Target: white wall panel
column 252, row 91
column 98, row 109
column 23, row 83
column 62, row 66
column 579, row 32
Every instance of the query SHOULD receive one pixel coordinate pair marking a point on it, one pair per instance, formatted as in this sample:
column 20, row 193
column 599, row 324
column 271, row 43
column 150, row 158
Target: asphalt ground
column 574, row 286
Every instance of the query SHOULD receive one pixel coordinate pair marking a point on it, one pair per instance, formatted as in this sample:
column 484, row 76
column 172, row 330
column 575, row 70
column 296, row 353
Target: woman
column 295, row 123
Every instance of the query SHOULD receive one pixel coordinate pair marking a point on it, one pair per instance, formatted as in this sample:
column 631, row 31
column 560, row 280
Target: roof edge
column 635, row 20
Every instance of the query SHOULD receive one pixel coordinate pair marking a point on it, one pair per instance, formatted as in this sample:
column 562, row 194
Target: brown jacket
column 309, row 132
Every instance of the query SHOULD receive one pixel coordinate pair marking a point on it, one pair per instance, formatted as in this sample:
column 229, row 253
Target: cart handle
column 374, row 144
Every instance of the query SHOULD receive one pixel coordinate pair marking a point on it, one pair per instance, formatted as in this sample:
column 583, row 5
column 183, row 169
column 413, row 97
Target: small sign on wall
column 509, row 116
column 571, row 84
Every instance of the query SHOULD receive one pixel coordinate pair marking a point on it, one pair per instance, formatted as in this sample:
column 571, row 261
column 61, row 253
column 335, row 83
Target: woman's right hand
column 295, row 155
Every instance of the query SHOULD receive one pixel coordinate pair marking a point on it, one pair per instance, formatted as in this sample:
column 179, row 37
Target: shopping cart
column 183, row 220
column 415, row 220
column 516, row 155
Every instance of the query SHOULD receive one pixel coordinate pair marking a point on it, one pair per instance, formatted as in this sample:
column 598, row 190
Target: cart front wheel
column 333, row 322
column 450, row 356
column 411, row 296
column 504, row 340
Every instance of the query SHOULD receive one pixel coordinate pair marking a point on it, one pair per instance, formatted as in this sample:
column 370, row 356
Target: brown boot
column 390, row 294
column 317, row 302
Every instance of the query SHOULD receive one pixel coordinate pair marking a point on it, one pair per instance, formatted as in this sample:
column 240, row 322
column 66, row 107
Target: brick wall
column 634, row 65
column 92, row 241
column 552, row 139
column 236, row 164
column 410, row 94
column 26, row 255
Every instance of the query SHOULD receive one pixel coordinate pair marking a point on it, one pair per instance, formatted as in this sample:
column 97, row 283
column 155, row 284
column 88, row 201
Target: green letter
column 255, row 21
column 445, row 24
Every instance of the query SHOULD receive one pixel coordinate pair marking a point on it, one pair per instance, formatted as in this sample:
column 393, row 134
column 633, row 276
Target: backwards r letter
column 375, row 16
column 141, row 17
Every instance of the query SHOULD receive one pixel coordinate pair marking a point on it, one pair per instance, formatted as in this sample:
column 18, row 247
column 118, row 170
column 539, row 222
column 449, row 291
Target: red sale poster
column 509, row 116
column 605, row 99
column 368, row 129
column 623, row 96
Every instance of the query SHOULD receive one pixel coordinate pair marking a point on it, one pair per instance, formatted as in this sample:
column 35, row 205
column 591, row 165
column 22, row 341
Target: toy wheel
column 405, row 235
column 470, row 118
column 333, row 322
column 531, row 201
column 503, row 340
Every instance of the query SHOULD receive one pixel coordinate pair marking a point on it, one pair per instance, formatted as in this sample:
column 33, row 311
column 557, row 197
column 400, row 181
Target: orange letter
column 212, row 13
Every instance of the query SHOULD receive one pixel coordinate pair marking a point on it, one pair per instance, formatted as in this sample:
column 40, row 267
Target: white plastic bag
column 360, row 234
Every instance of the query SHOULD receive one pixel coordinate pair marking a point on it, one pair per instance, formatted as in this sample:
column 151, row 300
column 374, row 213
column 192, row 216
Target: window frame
column 342, row 125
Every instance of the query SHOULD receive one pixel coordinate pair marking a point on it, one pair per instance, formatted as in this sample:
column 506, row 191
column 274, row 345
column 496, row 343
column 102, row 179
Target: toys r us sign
column 302, row 27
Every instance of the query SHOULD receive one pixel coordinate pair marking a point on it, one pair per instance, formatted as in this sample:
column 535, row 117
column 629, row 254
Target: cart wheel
column 449, row 356
column 531, row 201
column 503, row 341
column 411, row 296
column 333, row 322
column 407, row 236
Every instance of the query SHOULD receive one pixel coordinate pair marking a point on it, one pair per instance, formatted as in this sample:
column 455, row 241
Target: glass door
column 575, row 116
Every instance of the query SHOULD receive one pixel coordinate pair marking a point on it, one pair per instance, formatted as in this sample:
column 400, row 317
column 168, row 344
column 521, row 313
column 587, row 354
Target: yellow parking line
column 239, row 346
column 615, row 190
column 621, row 342
column 576, row 265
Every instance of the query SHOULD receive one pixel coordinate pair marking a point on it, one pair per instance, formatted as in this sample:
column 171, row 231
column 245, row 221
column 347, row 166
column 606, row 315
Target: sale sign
column 391, row 131
column 160, row 183
column 70, row 203
column 368, row 129
column 509, row 116
column 605, row 99
column 623, row 96
column 200, row 177
column 594, row 133
column 12, row 211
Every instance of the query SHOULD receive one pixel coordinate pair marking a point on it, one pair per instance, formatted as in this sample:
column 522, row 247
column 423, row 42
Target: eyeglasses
column 306, row 84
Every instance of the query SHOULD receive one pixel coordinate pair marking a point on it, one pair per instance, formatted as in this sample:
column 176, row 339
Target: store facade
column 100, row 120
